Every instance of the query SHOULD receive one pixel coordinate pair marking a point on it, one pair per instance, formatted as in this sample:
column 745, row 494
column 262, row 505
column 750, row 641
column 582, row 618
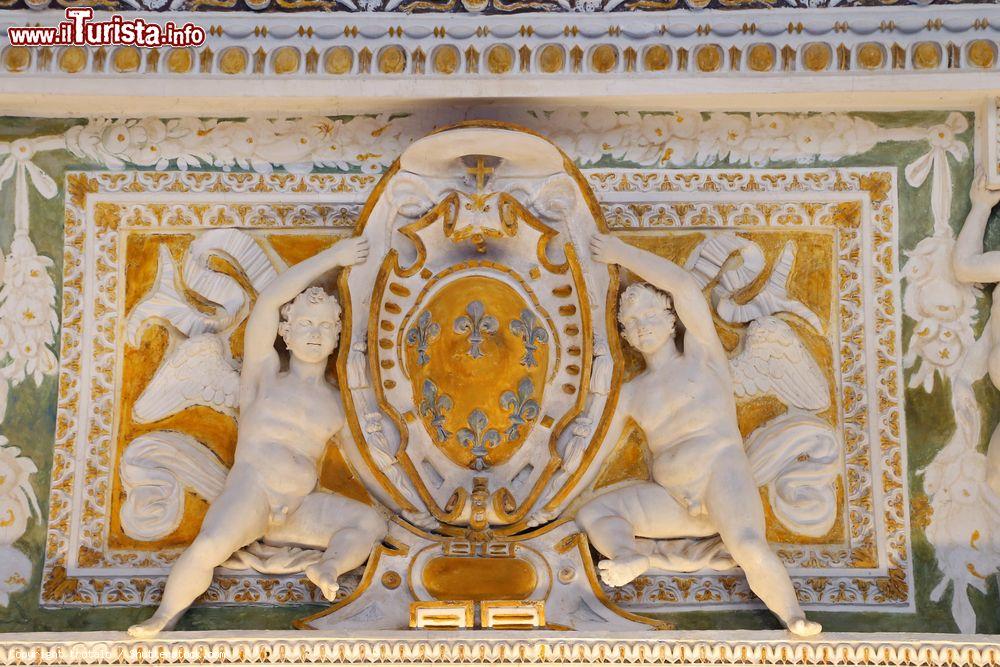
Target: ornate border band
column 754, row 43
column 654, row 648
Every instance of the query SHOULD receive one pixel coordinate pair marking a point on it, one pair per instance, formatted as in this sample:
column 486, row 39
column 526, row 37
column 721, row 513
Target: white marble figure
column 286, row 419
column 684, row 402
column 973, row 264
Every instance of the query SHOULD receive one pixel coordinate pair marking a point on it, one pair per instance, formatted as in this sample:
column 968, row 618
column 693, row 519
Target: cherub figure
column 684, row 402
column 973, row 264
column 286, row 419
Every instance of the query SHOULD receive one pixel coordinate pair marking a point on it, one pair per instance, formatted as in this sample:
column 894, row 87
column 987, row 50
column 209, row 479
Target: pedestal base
column 552, row 566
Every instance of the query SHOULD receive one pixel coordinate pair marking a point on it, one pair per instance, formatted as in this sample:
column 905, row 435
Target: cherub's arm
column 971, row 264
column 262, row 326
column 691, row 306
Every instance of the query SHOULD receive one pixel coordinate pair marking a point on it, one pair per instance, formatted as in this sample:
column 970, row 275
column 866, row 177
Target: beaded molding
column 466, row 648
column 868, row 41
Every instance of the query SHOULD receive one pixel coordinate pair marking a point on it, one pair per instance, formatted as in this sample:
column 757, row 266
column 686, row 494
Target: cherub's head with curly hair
column 310, row 325
column 647, row 317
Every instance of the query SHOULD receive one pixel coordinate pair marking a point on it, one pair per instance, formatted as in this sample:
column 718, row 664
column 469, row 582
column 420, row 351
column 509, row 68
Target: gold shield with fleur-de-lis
column 474, row 330
column 477, row 355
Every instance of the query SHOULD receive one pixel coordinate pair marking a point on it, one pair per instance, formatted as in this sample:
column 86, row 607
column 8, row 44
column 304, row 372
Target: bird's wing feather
column 199, row 371
column 775, row 361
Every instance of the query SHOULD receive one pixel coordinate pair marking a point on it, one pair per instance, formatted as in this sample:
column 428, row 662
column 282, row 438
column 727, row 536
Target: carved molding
column 620, row 7
column 870, row 41
column 660, row 648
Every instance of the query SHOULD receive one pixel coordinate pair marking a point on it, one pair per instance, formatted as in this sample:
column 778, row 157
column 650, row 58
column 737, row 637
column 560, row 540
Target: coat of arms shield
column 477, row 360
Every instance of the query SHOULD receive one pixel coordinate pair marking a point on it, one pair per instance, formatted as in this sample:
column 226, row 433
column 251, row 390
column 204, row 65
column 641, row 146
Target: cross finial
column 480, row 171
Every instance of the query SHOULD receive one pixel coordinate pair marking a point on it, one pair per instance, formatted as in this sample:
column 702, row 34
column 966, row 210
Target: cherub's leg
column 236, row 518
column 347, row 529
column 734, row 507
column 613, row 521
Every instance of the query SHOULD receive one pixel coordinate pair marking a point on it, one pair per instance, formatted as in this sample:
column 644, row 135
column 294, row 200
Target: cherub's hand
column 980, row 194
column 608, row 249
column 351, row 251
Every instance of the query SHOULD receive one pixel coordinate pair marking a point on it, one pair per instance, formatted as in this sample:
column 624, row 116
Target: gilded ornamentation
column 392, row 60
column 435, row 406
column 72, row 59
column 532, row 334
column 523, row 408
column 738, row 8
column 126, row 59
column 180, row 61
column 338, row 60
column 926, row 55
column 871, row 56
column 982, row 53
column 618, row 38
column 188, row 209
column 16, row 58
column 551, row 58
column 233, row 60
column 446, row 59
column 500, row 59
column 817, row 57
column 422, row 334
column 478, row 437
column 475, row 325
column 604, row 58
column 761, row 57
column 656, row 58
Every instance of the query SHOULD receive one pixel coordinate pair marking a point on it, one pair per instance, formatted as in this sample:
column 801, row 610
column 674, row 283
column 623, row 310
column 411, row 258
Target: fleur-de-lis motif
column 477, row 324
column 435, row 406
column 422, row 334
column 478, row 438
column 523, row 408
column 531, row 333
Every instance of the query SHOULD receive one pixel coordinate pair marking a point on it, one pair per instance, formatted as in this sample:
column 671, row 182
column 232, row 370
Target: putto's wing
column 774, row 361
column 199, row 371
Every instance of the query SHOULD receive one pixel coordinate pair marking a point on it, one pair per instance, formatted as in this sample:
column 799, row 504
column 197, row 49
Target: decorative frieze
column 494, row 647
column 751, row 43
column 479, row 6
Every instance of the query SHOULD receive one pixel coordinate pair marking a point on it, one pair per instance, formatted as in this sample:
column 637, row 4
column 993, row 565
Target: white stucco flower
column 116, row 138
column 684, row 124
column 964, row 527
column 362, row 140
column 770, row 132
column 726, row 136
column 600, row 132
column 28, row 314
column 807, row 137
column 15, row 573
column 651, row 141
column 17, row 497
